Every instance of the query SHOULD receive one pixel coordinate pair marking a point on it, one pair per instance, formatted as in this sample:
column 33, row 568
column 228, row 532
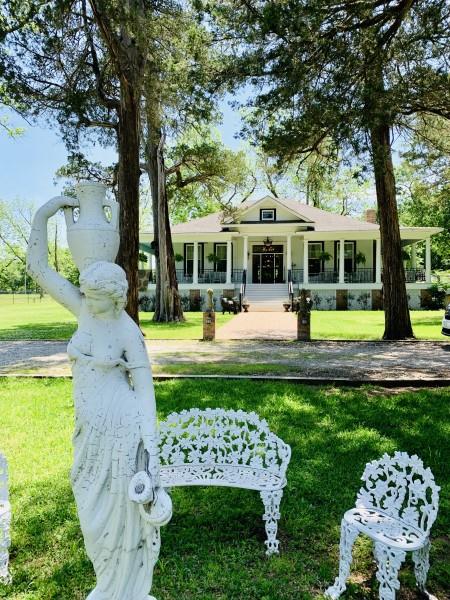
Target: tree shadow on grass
column 39, row 331
column 333, row 433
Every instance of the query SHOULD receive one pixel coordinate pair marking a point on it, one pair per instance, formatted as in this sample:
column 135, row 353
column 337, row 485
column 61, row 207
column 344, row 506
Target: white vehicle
column 446, row 322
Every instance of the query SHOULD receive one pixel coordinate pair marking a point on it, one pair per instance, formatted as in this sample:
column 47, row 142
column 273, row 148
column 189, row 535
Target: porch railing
column 211, row 276
column 183, row 277
column 413, row 275
column 365, row 275
column 237, row 274
column 326, row 276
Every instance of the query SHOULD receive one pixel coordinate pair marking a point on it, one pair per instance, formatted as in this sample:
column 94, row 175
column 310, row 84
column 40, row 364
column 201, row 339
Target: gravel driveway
column 373, row 361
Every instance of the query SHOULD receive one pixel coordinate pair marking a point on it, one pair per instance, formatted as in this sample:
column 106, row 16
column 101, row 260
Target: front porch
column 302, row 260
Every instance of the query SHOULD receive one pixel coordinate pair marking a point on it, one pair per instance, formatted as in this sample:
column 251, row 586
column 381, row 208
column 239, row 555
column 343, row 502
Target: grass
column 46, row 320
column 213, row 547
column 35, row 319
column 369, row 325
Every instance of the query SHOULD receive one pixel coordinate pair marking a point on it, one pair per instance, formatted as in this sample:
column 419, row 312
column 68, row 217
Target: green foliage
column 203, row 175
column 436, row 297
column 424, row 185
column 213, row 547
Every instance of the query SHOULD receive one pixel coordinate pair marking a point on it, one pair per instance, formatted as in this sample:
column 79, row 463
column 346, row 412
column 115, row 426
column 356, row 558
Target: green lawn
column 45, row 319
column 369, row 325
column 35, row 319
column 213, row 547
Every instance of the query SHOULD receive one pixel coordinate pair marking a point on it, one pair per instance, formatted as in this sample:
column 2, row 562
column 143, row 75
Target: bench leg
column 271, row 501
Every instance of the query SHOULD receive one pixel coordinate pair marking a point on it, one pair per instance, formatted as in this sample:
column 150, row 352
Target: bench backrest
column 219, row 436
column 3, row 480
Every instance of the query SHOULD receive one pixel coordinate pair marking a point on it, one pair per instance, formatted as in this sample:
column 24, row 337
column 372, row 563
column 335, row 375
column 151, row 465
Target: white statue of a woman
column 115, row 423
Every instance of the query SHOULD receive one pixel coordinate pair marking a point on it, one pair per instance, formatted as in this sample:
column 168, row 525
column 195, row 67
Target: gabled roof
column 252, row 204
column 321, row 220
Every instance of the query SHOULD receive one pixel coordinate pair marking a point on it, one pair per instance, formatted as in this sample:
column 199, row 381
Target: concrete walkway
column 260, row 326
column 366, row 361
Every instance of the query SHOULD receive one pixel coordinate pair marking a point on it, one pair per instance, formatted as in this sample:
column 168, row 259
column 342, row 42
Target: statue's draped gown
column 111, row 428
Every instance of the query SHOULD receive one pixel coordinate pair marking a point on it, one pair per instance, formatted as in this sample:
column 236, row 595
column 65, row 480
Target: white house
column 274, row 246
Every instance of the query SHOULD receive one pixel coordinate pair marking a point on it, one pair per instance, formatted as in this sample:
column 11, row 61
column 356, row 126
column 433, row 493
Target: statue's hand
column 52, row 206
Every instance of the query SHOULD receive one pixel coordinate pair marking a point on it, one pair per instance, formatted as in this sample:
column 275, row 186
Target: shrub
column 147, row 303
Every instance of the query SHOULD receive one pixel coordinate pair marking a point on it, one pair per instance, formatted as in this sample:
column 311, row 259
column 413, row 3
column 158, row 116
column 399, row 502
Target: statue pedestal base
column 209, row 326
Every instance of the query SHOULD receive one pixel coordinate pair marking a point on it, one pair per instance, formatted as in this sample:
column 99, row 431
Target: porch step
column 266, row 297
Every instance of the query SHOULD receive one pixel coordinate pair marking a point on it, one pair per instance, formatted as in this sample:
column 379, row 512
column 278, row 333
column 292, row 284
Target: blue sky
column 28, row 162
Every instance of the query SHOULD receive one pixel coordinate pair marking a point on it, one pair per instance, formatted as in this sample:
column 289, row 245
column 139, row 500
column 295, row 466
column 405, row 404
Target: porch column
column 413, row 256
column 228, row 281
column 288, row 252
column 378, row 261
column 341, row 261
column 245, row 253
column 428, row 260
column 305, row 262
column 195, row 266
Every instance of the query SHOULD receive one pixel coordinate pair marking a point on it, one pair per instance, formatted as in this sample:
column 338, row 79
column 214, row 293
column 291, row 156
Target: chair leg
column 389, row 562
column 348, row 537
column 421, row 565
column 271, row 501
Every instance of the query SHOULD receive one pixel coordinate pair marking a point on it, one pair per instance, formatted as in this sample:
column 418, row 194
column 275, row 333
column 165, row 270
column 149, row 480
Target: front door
column 267, row 266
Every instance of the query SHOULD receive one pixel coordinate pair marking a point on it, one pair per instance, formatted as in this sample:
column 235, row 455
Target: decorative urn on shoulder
column 93, row 237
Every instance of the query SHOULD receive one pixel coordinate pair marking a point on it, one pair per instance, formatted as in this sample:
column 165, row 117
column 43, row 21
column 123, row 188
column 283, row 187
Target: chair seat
column 239, row 476
column 381, row 527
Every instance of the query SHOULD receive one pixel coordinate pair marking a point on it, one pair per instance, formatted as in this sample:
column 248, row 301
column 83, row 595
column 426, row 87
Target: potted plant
column 213, row 258
column 360, row 258
column 324, row 256
column 178, row 258
column 245, row 304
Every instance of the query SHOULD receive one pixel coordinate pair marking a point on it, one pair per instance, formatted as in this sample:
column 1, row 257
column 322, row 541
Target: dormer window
column 267, row 214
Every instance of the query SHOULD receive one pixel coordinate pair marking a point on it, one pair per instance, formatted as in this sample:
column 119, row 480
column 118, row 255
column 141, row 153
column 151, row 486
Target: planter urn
column 92, row 237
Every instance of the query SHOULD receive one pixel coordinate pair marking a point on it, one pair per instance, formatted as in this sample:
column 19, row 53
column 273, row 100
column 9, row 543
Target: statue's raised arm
column 37, row 257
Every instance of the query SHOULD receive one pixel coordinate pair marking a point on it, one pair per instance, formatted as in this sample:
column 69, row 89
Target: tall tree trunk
column 128, row 59
column 396, row 313
column 167, row 301
column 128, row 189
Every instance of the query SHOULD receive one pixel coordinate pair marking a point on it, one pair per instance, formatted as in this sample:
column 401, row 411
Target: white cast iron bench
column 216, row 447
column 5, row 520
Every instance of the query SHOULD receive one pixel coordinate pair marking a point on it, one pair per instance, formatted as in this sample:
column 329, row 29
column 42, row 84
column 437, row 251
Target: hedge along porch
column 273, row 246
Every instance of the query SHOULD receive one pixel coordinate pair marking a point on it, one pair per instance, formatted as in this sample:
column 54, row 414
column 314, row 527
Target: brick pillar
column 194, row 299
column 341, row 299
column 209, row 326
column 377, row 299
column 304, row 326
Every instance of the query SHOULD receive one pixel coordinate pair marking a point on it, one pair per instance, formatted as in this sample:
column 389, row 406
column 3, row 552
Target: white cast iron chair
column 396, row 508
column 5, row 520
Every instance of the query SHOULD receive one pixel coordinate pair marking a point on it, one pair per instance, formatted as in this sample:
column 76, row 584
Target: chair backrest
column 403, row 488
column 3, row 480
column 218, row 436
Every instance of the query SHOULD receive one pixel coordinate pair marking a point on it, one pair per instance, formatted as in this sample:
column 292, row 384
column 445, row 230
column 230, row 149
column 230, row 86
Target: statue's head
column 105, row 287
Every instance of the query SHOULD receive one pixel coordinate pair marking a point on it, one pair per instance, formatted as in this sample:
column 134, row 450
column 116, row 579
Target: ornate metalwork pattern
column 5, row 521
column 226, row 448
column 396, row 507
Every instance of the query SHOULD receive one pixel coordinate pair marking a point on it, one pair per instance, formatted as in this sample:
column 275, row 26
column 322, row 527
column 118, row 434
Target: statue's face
column 100, row 304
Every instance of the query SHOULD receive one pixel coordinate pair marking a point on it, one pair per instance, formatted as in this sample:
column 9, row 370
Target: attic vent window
column 267, row 214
